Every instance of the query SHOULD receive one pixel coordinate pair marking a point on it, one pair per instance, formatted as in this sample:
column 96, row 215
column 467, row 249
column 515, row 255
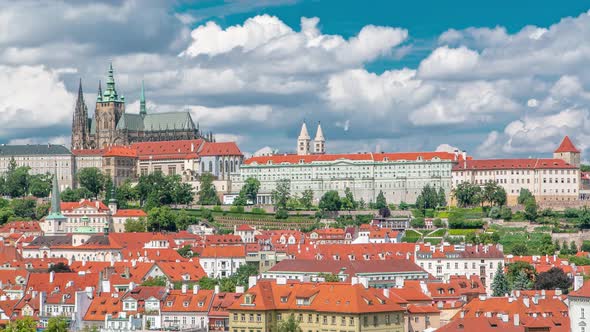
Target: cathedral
column 111, row 125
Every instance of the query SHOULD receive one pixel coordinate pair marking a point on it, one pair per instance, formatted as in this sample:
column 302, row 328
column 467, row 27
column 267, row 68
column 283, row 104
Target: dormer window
column 284, row 299
column 200, row 304
column 185, row 304
column 169, row 303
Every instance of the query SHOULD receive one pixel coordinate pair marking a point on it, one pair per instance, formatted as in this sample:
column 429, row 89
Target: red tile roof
column 88, row 152
column 531, row 163
column 244, row 228
column 219, row 149
column 20, row 227
column 295, row 159
column 176, row 301
column 120, row 151
column 584, row 291
column 130, row 213
column 350, row 268
column 69, row 206
column 567, row 146
column 323, row 297
column 181, row 149
column 223, row 251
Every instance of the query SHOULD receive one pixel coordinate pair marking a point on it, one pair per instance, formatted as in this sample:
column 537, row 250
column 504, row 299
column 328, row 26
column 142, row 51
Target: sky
column 495, row 78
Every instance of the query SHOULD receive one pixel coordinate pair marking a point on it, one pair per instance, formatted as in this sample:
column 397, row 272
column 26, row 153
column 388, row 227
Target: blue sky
column 495, row 78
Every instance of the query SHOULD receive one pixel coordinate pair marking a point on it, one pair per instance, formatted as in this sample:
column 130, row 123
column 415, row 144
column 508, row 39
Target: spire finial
column 55, row 201
column 99, row 94
column 142, row 109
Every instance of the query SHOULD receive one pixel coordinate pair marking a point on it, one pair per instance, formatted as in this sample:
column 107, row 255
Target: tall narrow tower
column 80, row 122
column 303, row 141
column 110, row 107
column 319, row 142
column 142, row 109
column 55, row 221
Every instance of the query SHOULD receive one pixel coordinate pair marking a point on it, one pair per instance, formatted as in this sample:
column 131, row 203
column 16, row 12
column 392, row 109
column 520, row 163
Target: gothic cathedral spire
column 142, row 109
column 80, row 121
column 99, row 94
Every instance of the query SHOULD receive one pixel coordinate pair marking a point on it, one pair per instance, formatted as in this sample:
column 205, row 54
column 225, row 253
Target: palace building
column 111, row 125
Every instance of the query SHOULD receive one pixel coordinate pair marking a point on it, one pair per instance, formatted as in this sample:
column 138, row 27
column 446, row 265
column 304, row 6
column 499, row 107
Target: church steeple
column 110, row 93
column 99, row 94
column 303, row 141
column 319, row 141
column 142, row 109
column 55, row 200
column 79, row 121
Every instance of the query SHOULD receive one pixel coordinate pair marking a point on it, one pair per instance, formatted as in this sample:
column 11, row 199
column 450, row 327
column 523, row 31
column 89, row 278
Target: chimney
column 516, row 319
column 462, row 314
column 133, row 263
column 526, row 301
column 557, row 291
column 239, row 289
column 505, row 318
column 578, row 282
column 536, row 299
column 281, row 281
column 482, row 297
column 97, row 204
column 185, row 288
column 195, row 289
column 386, row 292
column 252, row 281
column 217, row 289
column 464, row 155
column 51, row 276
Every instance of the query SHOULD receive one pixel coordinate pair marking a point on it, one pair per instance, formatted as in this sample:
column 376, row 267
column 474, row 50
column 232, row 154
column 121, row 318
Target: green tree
column 403, row 206
column 573, row 248
column 514, row 269
column 243, row 273
column 524, row 196
column 380, row 202
column 92, row 179
column 6, row 213
column 207, row 283
column 584, row 217
column 280, row 196
column 522, row 281
column 418, row 223
column 250, row 189
column 157, row 281
column 330, row 201
column 505, row 213
column 281, row 214
column 329, row 277
column 186, row 251
column 500, row 285
column 60, row 267
column 306, row 199
column 183, row 220
column 21, row 325
column 161, row 219
column 350, row 197
column 135, row 225
column 530, row 209
column 207, row 193
column 42, row 210
column 57, row 324
column 17, row 181
column 289, row 325
column 40, row 185
column 552, row 279
column 467, row 194
column 227, row 285
column 442, row 197
column 240, row 200
column 24, row 208
column 126, row 193
column 519, row 249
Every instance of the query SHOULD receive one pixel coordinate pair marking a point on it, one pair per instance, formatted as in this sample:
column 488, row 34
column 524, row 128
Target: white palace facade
column 401, row 176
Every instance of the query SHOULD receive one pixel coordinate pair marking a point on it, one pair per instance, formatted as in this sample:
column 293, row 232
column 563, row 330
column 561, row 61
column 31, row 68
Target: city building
column 444, row 261
column 41, row 159
column 556, row 179
column 579, row 305
column 222, row 261
column 316, row 307
column 111, row 125
column 400, row 176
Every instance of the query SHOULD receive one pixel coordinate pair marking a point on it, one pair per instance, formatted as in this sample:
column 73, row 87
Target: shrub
column 236, row 209
column 217, row 208
column 258, row 210
column 282, row 214
column 570, row 213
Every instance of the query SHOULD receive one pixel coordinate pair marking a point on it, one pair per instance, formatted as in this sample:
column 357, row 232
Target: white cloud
column 445, row 61
column 33, row 97
column 62, row 140
column 447, row 148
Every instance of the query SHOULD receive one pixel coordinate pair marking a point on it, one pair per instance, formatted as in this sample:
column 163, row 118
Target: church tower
column 110, row 107
column 55, row 221
column 568, row 152
column 142, row 109
column 80, row 122
column 303, row 141
column 319, row 142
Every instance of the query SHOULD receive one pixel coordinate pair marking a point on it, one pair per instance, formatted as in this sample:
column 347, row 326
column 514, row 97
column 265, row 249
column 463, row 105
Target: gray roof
column 33, row 149
column 156, row 121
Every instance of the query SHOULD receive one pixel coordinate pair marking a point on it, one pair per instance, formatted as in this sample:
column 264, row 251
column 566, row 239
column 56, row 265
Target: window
column 581, row 312
column 366, row 321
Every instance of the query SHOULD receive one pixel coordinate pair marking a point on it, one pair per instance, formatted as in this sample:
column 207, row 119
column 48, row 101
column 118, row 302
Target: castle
column 111, row 125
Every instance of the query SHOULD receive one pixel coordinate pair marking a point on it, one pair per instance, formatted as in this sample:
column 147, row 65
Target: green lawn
column 461, row 231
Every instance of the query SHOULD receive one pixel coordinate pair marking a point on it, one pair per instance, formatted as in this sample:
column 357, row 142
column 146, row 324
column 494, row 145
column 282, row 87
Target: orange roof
column 567, row 146
column 530, row 163
column 104, row 304
column 422, row 309
column 130, row 213
column 244, row 228
column 177, row 271
column 220, row 149
column 294, row 159
column 222, row 301
column 584, row 291
column 61, row 281
column 323, row 297
column 88, row 152
column 69, row 206
column 223, row 251
column 177, row 301
column 120, row 151
column 20, row 227
column 181, row 149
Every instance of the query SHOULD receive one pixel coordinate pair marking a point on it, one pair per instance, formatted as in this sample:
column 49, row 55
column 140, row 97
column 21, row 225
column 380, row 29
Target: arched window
column 221, row 166
column 210, row 167
column 226, row 166
column 202, row 167
column 232, row 166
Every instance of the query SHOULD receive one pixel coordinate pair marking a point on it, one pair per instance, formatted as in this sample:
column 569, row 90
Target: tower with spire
column 55, row 221
column 110, row 107
column 80, row 121
column 319, row 142
column 142, row 109
column 303, row 141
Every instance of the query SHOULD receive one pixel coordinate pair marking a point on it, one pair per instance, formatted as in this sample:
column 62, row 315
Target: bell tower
column 110, row 107
column 303, row 141
column 568, row 152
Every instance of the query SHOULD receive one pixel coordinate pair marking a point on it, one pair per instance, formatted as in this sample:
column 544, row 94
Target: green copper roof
column 85, row 230
column 142, row 109
column 156, row 121
column 110, row 93
column 33, row 149
column 55, row 212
